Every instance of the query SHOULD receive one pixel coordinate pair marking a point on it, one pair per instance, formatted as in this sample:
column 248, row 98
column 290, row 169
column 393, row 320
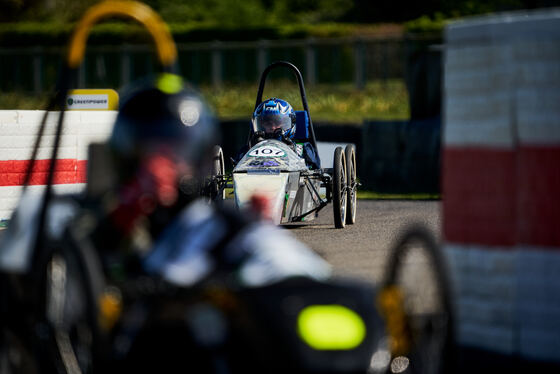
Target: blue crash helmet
column 276, row 118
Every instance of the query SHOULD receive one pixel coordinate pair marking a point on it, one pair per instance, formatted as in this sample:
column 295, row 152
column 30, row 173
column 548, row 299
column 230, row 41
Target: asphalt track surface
column 361, row 250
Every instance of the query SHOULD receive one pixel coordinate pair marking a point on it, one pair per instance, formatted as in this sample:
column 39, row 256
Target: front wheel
column 218, row 171
column 339, row 186
column 415, row 301
column 352, row 184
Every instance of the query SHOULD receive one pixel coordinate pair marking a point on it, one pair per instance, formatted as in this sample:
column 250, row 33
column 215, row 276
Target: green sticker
column 331, row 327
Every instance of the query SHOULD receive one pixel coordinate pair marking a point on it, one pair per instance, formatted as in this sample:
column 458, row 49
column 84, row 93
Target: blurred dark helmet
column 161, row 144
column 163, row 115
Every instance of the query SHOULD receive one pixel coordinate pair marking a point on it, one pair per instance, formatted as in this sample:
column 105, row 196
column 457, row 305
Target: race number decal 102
column 267, row 151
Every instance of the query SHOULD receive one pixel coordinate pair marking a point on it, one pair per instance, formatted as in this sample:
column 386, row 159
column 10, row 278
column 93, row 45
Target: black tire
column 352, row 184
column 416, row 302
column 339, row 181
column 218, row 171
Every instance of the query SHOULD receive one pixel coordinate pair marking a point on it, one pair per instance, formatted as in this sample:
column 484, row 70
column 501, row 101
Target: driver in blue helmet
column 276, row 119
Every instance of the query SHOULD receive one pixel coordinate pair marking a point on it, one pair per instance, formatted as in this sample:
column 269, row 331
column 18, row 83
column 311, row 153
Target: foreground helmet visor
column 272, row 122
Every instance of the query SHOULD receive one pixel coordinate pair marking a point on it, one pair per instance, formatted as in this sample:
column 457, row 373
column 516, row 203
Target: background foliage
column 49, row 22
column 266, row 12
column 31, row 33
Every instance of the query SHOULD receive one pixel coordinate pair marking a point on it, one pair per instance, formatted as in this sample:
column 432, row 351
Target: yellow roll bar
column 166, row 50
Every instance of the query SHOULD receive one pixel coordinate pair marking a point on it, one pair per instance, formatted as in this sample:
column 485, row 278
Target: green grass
column 330, row 103
column 371, row 195
column 327, row 103
column 22, row 101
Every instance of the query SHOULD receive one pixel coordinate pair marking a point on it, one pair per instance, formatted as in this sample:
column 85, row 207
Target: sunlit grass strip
column 327, row 102
column 385, row 100
column 22, row 101
column 371, row 195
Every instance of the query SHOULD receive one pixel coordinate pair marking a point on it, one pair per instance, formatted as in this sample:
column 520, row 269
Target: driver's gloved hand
column 288, row 141
column 279, row 135
column 257, row 137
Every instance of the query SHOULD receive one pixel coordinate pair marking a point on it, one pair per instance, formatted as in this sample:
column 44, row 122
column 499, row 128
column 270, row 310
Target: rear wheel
column 73, row 306
column 350, row 155
column 415, row 301
column 218, row 171
column 73, row 282
column 52, row 325
column 339, row 182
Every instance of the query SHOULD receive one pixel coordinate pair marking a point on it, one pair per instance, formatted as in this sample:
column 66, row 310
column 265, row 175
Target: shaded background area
column 225, row 43
column 270, row 11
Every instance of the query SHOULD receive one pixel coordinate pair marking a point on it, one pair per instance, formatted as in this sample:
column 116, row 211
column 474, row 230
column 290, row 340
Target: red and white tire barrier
column 501, row 181
column 18, row 129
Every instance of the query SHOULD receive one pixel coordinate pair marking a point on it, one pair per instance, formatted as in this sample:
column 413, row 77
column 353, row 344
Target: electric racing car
column 273, row 168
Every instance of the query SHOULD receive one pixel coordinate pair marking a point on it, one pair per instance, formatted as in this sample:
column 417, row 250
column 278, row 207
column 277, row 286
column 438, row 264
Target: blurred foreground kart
column 271, row 168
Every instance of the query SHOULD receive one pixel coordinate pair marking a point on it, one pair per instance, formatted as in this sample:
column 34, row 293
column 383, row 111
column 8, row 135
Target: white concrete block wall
column 485, row 294
column 501, row 180
column 18, row 129
column 538, row 282
column 9, row 196
column 478, row 95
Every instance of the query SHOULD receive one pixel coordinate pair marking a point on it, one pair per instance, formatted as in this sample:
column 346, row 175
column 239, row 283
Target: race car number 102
column 267, row 152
